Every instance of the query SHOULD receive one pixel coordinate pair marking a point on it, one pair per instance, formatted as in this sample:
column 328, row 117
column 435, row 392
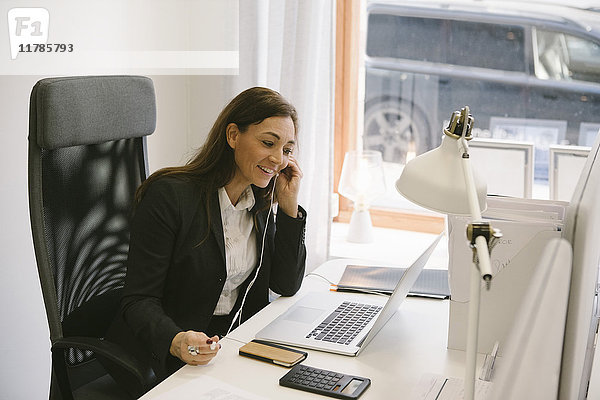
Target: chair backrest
column 87, row 156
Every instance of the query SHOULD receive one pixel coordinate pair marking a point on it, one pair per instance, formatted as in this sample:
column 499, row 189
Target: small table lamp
column 361, row 181
column 442, row 180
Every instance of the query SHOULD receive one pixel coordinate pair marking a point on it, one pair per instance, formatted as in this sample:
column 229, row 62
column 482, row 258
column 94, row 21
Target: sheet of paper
column 535, row 205
column 437, row 387
column 516, row 237
column 428, row 388
column 207, row 388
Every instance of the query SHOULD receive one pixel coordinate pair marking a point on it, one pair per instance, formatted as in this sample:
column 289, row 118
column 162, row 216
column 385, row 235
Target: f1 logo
column 27, row 26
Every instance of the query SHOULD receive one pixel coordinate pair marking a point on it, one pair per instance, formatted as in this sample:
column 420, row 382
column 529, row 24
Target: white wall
column 24, row 336
column 186, row 108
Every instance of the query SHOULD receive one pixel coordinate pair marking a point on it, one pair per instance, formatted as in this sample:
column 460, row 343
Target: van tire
column 390, row 124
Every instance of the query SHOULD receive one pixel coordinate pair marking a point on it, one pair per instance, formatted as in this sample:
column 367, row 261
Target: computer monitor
column 530, row 366
column 582, row 230
column 548, row 356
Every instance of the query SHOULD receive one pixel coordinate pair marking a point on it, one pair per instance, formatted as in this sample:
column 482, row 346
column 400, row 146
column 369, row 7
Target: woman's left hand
column 287, row 187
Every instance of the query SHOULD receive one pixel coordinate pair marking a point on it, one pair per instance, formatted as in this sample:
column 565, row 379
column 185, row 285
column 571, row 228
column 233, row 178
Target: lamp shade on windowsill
column 361, row 181
column 435, row 180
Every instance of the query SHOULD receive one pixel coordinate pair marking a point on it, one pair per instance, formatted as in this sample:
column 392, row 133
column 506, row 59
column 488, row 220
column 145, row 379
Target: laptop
column 318, row 320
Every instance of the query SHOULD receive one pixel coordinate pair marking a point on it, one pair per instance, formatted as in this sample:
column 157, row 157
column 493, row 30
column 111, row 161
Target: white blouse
column 240, row 246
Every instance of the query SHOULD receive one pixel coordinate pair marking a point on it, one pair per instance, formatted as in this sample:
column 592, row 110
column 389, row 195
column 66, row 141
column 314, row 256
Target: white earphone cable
column 238, row 314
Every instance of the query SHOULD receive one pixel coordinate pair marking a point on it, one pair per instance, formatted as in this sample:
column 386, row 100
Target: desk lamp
column 442, row 180
column 361, row 181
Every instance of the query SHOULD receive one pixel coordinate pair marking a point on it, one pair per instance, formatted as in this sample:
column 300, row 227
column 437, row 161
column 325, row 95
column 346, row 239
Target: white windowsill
column 392, row 247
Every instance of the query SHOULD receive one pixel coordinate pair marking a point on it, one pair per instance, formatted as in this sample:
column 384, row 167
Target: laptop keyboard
column 343, row 324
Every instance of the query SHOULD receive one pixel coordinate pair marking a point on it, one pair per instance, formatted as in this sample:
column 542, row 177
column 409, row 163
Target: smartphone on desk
column 272, row 353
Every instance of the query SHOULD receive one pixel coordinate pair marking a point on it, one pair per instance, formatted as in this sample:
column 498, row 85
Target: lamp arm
column 483, row 254
column 481, row 244
column 463, row 148
column 476, row 230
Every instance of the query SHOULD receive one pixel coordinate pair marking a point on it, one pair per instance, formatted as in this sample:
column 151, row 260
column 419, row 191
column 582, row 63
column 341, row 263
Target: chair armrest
column 129, row 372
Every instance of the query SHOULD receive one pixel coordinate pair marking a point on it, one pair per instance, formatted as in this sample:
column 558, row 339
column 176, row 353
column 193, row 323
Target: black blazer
column 176, row 268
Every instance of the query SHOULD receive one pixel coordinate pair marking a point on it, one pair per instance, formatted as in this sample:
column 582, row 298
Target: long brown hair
column 214, row 165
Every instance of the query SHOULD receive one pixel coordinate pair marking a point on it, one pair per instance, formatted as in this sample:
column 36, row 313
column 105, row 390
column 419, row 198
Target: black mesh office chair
column 87, row 156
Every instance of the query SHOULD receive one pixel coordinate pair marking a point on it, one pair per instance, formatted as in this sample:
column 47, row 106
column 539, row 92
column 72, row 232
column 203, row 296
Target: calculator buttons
column 328, row 383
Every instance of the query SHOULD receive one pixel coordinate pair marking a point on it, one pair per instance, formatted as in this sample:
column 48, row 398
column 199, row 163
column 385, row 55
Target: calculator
column 328, row 383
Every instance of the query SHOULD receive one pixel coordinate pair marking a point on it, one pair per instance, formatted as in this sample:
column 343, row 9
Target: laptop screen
column 401, row 291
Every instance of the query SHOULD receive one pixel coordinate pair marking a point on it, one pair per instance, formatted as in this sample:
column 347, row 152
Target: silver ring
column 193, row 350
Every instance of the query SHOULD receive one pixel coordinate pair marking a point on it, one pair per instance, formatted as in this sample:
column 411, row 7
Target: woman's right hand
column 181, row 341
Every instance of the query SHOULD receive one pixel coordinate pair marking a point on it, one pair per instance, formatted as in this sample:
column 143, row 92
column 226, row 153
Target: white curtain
column 288, row 46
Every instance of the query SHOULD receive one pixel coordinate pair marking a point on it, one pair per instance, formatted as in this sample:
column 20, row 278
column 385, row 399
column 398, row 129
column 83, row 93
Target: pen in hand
column 195, row 350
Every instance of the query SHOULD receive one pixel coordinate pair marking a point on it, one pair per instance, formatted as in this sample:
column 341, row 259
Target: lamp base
column 361, row 228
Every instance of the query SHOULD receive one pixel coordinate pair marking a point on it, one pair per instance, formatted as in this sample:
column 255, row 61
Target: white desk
column 411, row 344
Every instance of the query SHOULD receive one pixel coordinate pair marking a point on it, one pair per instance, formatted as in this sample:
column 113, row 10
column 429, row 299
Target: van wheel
column 394, row 127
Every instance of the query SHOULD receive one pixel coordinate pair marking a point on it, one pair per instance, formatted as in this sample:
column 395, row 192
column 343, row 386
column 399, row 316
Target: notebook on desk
column 364, row 278
column 341, row 323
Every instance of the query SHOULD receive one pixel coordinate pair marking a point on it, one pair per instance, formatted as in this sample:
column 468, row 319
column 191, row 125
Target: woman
column 198, row 231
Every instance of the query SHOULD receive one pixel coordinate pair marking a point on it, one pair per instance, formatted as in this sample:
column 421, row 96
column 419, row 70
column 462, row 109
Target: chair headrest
column 71, row 111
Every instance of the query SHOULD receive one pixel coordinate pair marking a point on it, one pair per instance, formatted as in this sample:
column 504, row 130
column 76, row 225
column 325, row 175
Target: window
column 346, row 128
column 484, row 45
column 405, row 37
column 552, row 56
column 522, row 77
column 561, row 56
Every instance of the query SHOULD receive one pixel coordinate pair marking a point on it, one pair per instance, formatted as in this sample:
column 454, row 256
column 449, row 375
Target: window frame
column 347, row 120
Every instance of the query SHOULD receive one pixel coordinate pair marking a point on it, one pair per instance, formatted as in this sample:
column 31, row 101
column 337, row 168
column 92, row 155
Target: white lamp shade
column 362, row 178
column 435, row 180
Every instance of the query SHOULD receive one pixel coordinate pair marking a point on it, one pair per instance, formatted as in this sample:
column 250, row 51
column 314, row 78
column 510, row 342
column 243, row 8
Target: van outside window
column 523, row 79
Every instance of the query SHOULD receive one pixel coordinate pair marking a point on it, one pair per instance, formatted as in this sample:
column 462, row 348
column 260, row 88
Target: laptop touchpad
column 304, row 314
